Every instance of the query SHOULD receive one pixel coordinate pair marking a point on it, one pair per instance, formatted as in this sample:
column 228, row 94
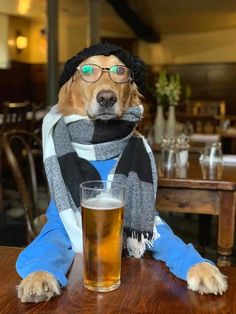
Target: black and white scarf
column 70, row 142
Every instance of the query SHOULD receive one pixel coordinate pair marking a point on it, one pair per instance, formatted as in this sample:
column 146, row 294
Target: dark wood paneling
column 23, row 82
column 210, row 81
column 14, row 82
column 37, row 81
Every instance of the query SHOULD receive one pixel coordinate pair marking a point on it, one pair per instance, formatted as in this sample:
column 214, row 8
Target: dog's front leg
column 206, row 278
column 38, row 287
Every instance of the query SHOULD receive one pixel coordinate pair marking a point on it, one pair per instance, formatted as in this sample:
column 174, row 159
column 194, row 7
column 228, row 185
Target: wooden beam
column 52, row 79
column 134, row 21
column 93, row 22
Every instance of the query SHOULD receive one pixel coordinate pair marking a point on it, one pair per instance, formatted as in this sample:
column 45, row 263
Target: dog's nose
column 106, row 98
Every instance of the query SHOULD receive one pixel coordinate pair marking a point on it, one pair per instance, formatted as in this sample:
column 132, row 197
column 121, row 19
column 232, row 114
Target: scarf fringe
column 135, row 247
column 137, row 242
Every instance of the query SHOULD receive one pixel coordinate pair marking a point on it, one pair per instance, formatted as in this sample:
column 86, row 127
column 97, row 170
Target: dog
column 105, row 100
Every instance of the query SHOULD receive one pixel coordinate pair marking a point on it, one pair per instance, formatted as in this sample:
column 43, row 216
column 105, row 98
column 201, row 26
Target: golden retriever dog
column 106, row 99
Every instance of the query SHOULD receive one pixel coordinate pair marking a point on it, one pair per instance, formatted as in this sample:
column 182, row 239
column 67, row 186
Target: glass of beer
column 102, row 206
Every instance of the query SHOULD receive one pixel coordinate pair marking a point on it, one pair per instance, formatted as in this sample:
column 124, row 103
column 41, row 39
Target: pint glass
column 102, row 206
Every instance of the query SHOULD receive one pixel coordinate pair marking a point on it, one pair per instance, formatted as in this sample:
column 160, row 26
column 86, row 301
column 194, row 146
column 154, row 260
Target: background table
column 147, row 288
column 193, row 194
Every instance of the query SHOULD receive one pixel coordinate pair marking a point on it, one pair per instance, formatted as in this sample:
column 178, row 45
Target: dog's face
column 103, row 99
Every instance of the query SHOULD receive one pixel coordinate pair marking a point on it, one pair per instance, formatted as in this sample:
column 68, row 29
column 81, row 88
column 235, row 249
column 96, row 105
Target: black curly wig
column 136, row 65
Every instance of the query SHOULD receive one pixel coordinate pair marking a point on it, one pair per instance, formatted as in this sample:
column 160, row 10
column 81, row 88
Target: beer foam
column 103, row 202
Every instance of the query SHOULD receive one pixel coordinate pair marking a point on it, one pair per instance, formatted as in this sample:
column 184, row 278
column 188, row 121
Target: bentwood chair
column 27, row 170
column 15, row 115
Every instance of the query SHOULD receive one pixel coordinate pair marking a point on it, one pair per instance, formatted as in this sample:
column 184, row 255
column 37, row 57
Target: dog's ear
column 135, row 97
column 67, row 100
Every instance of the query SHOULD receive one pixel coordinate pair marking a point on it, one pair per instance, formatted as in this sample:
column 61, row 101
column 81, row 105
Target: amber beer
column 102, row 221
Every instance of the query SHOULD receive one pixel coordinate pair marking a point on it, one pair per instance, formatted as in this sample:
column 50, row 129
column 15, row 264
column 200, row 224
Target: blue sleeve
column 177, row 255
column 103, row 167
column 50, row 251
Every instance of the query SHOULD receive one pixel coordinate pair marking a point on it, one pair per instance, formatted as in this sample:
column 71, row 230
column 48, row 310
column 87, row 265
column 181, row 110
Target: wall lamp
column 21, row 42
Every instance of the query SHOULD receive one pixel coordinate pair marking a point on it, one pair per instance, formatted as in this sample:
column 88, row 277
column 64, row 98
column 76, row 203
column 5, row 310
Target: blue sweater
column 51, row 250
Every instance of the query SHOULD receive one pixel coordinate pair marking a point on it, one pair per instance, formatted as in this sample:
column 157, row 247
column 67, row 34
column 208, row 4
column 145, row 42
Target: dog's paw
column 206, row 278
column 38, row 287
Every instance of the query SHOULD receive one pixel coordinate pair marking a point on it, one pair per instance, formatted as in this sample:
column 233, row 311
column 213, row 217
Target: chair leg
column 1, row 187
column 1, row 202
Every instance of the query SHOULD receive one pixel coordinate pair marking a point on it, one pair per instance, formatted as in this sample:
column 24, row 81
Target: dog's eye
column 117, row 69
column 119, row 73
column 87, row 69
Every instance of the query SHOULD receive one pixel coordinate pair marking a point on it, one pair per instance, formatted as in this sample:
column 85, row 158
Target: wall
column 37, row 43
column 4, row 57
column 26, row 76
column 208, row 47
column 205, row 61
column 27, row 73
column 72, row 38
column 23, row 25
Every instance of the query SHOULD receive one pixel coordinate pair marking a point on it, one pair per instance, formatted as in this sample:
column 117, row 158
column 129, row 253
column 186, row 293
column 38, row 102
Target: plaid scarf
column 70, row 142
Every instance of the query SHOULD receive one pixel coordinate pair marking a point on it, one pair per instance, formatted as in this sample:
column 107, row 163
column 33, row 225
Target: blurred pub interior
column 196, row 39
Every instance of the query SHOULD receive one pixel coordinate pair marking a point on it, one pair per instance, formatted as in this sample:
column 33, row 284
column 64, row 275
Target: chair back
column 22, row 149
column 15, row 115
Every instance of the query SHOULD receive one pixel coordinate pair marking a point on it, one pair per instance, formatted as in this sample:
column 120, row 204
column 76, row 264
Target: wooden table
column 193, row 194
column 147, row 288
